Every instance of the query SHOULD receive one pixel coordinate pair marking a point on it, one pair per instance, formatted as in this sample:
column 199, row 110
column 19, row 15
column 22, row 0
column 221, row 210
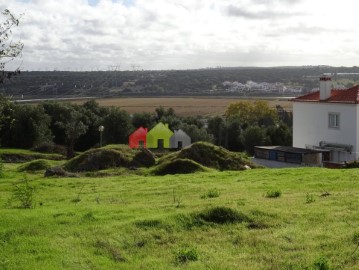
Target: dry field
column 185, row 106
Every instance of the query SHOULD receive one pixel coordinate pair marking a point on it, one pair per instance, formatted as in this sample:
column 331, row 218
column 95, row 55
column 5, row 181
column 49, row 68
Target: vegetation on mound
column 210, row 155
column 109, row 157
column 178, row 166
column 35, row 165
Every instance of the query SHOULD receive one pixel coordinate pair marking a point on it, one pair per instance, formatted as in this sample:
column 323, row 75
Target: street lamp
column 101, row 129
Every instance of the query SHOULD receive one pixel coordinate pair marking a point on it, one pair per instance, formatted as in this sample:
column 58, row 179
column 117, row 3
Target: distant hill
column 52, row 84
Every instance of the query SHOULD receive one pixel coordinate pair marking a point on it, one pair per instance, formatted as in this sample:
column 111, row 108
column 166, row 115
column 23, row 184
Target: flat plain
column 186, row 106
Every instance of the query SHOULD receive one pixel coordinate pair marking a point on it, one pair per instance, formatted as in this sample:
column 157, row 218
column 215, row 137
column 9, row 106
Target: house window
column 334, row 120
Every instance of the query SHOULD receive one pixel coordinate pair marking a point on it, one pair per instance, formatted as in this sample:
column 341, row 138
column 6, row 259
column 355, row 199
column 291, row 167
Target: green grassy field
column 153, row 222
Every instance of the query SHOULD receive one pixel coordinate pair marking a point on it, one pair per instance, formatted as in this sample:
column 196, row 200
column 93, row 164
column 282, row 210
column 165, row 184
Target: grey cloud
column 271, row 2
column 301, row 30
column 259, row 15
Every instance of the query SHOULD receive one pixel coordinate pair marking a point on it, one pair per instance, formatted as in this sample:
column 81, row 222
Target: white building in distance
column 328, row 120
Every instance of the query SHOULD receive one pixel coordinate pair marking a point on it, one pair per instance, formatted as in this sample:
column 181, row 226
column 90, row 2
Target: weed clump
column 178, row 166
column 222, row 215
column 273, row 194
column 35, row 165
column 212, row 193
column 185, row 255
column 210, row 155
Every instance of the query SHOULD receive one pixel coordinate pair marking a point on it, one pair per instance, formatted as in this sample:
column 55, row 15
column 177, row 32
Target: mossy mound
column 178, row 166
column 35, row 165
column 210, row 155
column 109, row 157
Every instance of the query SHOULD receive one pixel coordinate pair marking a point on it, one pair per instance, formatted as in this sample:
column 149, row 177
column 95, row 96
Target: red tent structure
column 138, row 138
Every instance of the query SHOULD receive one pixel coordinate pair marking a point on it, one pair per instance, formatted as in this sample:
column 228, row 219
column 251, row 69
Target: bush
column 273, row 194
column 35, row 165
column 185, row 255
column 23, row 194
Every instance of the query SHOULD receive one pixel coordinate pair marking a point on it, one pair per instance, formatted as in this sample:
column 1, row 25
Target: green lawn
column 147, row 222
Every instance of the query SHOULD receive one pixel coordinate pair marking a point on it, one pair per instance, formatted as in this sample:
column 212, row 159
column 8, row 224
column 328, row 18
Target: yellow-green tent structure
column 159, row 136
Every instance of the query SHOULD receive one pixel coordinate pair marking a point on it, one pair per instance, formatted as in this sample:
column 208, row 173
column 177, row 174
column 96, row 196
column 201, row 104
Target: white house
column 328, row 120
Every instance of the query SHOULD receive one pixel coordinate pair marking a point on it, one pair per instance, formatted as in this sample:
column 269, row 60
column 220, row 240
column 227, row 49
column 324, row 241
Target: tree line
column 244, row 125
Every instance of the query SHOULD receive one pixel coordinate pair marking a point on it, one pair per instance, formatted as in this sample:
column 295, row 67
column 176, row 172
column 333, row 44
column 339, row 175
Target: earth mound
column 109, row 157
column 209, row 155
column 35, row 165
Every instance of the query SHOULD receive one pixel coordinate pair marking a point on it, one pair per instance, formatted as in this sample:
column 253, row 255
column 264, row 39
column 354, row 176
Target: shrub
column 23, row 193
column 186, row 254
column 273, row 194
column 35, row 165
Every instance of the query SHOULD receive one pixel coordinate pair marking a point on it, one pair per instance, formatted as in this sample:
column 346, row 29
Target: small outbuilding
column 159, row 136
column 290, row 154
column 180, row 139
column 138, row 138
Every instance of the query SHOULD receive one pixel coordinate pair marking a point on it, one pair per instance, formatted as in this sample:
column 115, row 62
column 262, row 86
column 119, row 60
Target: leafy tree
column 146, row 120
column 73, row 127
column 29, row 126
column 58, row 113
column 234, row 130
column 92, row 117
column 191, row 120
column 117, row 125
column 252, row 113
column 217, row 127
column 8, row 49
column 6, row 118
column 197, row 134
column 280, row 135
column 253, row 136
column 162, row 112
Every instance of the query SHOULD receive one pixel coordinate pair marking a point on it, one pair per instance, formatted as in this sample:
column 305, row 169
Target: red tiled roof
column 350, row 95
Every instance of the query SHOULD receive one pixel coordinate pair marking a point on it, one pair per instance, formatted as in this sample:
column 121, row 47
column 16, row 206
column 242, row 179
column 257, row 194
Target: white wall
column 310, row 125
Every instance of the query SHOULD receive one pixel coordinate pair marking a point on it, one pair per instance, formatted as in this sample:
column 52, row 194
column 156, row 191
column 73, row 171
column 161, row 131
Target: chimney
column 325, row 87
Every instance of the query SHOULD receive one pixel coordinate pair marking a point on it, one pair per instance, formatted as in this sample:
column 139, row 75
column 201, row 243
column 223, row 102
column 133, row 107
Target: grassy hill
column 254, row 219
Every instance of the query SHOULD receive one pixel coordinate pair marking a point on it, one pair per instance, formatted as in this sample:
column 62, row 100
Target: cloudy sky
column 183, row 34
